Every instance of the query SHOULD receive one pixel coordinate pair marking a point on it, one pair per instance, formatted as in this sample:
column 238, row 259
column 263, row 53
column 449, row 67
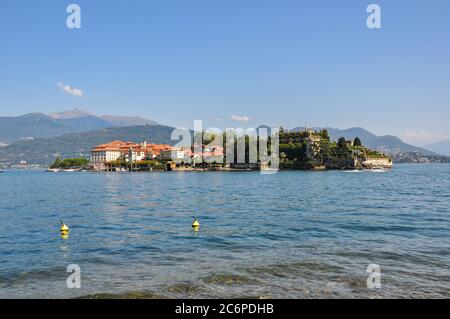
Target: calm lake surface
column 287, row 235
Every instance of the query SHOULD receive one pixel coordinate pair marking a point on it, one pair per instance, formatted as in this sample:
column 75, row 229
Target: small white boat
column 377, row 169
column 268, row 170
column 354, row 171
column 52, row 170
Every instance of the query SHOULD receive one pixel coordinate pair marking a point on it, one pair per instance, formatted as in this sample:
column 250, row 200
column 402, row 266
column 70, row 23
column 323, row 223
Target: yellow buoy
column 195, row 224
column 64, row 228
column 64, row 234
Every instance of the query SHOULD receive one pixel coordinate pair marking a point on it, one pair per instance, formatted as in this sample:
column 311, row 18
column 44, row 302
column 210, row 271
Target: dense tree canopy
column 70, row 163
column 342, row 144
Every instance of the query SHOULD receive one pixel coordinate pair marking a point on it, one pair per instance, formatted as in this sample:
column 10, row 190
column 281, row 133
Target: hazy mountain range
column 441, row 147
column 38, row 138
column 38, row 125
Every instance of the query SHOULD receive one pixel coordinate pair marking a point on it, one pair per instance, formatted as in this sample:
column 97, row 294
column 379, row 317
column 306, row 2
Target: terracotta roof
column 154, row 149
column 117, row 146
column 124, row 147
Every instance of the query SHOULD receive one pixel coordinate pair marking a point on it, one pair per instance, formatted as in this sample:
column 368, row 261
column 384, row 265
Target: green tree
column 357, row 142
column 342, row 143
column 70, row 163
column 56, row 163
column 324, row 134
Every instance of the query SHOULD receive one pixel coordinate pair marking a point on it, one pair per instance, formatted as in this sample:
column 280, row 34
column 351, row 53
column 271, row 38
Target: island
column 298, row 150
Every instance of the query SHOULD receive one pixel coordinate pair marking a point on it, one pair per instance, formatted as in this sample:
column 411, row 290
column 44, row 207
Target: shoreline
column 42, row 168
column 46, row 170
column 228, row 170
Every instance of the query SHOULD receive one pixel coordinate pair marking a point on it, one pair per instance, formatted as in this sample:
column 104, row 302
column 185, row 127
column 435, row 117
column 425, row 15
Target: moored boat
column 377, row 169
column 354, row 171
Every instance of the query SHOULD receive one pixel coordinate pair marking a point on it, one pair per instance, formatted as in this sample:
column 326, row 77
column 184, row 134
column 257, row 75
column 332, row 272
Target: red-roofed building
column 117, row 150
column 103, row 154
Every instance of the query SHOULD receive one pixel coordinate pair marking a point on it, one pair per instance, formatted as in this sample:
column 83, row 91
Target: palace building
column 105, row 154
column 127, row 151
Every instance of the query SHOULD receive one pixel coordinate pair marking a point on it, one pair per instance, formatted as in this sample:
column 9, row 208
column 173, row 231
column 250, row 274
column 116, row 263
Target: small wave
column 11, row 279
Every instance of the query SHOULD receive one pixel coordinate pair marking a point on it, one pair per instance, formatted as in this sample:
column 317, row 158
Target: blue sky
column 271, row 62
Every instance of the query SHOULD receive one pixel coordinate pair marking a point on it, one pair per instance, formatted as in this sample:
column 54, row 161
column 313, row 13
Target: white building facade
column 104, row 156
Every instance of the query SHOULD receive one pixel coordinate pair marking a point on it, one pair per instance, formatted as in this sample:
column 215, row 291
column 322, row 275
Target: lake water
column 288, row 235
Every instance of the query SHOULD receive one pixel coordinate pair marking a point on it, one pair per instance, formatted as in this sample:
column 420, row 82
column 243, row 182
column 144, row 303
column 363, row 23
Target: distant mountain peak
column 127, row 120
column 114, row 120
column 32, row 115
column 40, row 125
column 69, row 114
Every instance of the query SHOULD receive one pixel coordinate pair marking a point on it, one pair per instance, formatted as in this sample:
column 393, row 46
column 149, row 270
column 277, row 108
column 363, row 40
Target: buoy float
column 64, row 228
column 195, row 224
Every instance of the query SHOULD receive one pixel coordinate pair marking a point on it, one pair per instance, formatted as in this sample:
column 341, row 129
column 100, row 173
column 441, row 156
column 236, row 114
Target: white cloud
column 239, row 118
column 218, row 119
column 69, row 90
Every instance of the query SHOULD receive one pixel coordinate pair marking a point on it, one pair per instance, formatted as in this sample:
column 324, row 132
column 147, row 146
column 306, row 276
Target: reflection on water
column 287, row 235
